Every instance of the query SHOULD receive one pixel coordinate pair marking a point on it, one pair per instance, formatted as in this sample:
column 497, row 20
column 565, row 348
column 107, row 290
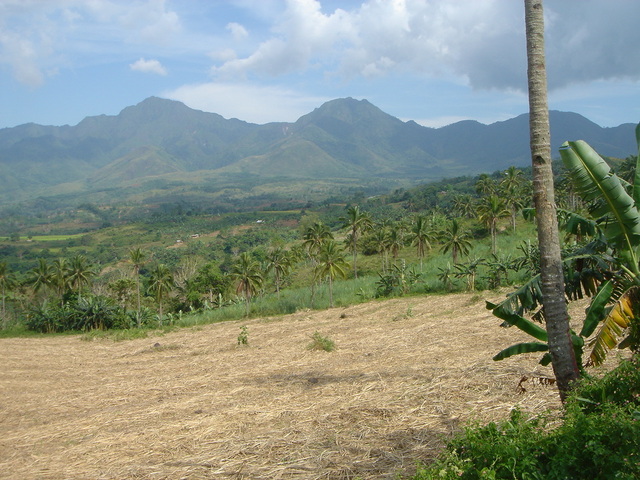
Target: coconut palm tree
column 160, row 286
column 79, row 273
column 314, row 237
column 381, row 239
column 40, row 277
column 357, row 222
column 490, row 210
column 60, row 273
column 247, row 274
column 421, row 236
column 331, row 264
column 555, row 308
column 511, row 190
column 7, row 282
column 464, row 205
column 454, row 239
column 396, row 239
column 280, row 262
column 137, row 258
column 486, row 185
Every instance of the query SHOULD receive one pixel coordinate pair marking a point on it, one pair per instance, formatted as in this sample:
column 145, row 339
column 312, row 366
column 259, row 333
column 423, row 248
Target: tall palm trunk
column 555, row 309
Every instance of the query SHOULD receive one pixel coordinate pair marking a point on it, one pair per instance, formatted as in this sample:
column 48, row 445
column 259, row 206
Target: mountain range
column 161, row 148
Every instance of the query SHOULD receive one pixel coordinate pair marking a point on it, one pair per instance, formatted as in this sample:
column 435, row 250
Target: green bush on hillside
column 599, row 438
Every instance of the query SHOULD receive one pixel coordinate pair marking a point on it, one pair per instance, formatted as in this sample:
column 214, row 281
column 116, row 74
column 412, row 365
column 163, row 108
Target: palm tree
column 381, row 238
column 555, row 309
column 79, row 273
column 396, row 240
column 486, row 185
column 249, row 278
column 137, row 258
column 280, row 261
column 456, row 240
column 420, row 236
column 312, row 240
column 331, row 264
column 60, row 272
column 314, row 237
column 357, row 222
column 7, row 282
column 463, row 205
column 511, row 189
column 40, row 276
column 490, row 210
column 160, row 285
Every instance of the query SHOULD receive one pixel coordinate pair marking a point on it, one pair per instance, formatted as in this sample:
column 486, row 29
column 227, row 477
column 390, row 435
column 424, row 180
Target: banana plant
column 613, row 204
column 614, row 281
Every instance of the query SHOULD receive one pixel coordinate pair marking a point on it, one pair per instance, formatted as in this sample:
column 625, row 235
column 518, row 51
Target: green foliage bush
column 243, row 336
column 320, row 342
column 599, row 438
column 79, row 314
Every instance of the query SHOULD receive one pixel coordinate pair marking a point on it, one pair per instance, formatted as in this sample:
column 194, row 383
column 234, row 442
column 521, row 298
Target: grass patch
column 320, row 342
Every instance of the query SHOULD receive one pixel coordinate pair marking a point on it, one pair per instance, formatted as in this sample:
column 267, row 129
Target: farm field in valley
column 193, row 404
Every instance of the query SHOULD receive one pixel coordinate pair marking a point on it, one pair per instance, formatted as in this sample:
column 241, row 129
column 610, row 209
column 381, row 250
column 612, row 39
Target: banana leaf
column 595, row 313
column 519, row 348
column 636, row 180
column 609, row 201
column 512, row 318
column 615, row 325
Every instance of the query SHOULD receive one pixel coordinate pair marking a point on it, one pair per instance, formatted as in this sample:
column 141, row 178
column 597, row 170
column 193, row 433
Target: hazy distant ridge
column 343, row 138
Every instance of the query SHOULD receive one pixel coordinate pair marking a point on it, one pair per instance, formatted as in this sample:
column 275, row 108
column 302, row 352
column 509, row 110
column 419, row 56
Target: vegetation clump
column 599, row 437
column 321, row 342
column 243, row 336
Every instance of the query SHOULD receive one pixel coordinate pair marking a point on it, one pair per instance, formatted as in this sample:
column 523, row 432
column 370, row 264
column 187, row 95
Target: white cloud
column 480, row 41
column 301, row 34
column 248, row 102
column 38, row 37
column 148, row 66
column 237, row 30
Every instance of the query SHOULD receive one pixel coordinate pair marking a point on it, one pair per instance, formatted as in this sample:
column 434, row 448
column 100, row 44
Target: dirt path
column 194, row 405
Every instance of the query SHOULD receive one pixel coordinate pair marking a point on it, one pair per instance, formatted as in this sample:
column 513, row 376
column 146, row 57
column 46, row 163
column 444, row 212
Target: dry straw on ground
column 193, row 404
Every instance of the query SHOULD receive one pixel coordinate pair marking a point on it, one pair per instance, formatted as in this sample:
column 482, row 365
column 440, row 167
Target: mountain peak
column 155, row 106
column 346, row 111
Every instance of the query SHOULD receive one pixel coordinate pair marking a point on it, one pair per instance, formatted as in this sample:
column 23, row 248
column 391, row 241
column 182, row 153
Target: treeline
column 387, row 238
column 95, row 289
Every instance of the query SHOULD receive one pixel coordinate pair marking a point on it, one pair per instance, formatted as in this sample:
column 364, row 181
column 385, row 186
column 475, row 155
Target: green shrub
column 243, row 336
column 599, row 438
column 621, row 386
column 79, row 314
column 320, row 342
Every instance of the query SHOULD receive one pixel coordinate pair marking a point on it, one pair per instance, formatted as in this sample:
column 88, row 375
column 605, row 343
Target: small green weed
column 319, row 342
column 407, row 314
column 243, row 337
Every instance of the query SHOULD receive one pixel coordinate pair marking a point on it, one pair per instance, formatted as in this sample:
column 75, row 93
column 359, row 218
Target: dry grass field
column 193, row 404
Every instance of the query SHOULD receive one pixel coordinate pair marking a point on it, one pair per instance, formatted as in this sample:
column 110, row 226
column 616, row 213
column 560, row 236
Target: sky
column 432, row 61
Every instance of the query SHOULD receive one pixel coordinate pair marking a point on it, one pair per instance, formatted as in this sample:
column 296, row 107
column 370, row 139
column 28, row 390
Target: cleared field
column 194, row 405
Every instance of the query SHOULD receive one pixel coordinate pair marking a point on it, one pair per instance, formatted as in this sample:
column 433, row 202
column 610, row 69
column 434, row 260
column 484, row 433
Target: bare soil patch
column 193, row 404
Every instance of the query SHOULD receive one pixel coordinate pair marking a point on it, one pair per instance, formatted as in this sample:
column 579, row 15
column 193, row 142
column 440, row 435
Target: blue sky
column 432, row 61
